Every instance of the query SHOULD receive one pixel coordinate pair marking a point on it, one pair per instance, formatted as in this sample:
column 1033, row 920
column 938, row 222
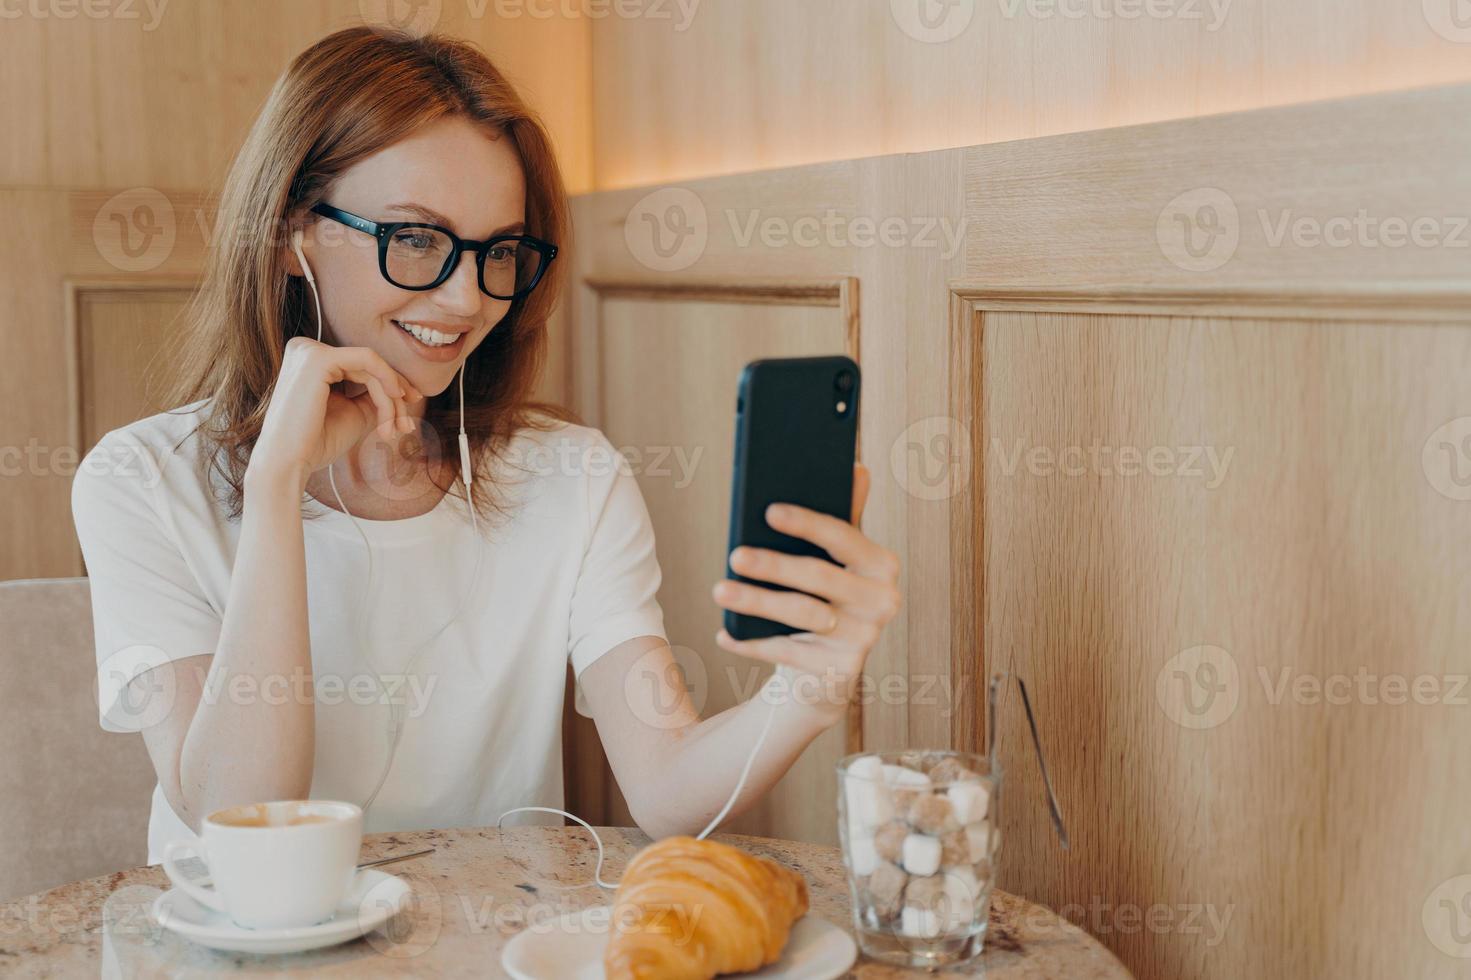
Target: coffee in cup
column 275, row 865
column 261, row 815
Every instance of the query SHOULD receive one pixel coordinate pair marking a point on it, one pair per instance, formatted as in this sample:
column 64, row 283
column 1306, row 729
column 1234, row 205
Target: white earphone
column 395, row 730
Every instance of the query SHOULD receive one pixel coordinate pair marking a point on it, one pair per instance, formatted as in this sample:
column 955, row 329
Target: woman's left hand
column 855, row 599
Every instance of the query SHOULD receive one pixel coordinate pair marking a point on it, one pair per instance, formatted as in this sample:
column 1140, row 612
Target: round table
column 479, row 888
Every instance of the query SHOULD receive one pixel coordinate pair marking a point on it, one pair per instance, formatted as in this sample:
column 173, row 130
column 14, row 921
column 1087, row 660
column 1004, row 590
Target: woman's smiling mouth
column 433, row 343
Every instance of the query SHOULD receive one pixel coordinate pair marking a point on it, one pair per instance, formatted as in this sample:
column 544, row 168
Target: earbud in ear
column 311, row 280
column 300, row 257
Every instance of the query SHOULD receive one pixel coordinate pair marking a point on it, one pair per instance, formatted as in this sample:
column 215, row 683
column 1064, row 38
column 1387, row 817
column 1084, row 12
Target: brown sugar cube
column 886, row 889
column 954, row 849
column 912, row 760
column 932, row 814
column 949, row 770
column 888, row 840
column 925, row 893
column 904, row 799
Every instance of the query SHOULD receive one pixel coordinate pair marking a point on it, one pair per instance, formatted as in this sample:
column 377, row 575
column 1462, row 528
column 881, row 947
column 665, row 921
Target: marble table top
column 479, row 888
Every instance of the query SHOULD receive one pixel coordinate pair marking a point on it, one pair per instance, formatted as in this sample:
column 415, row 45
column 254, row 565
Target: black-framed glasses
column 418, row 256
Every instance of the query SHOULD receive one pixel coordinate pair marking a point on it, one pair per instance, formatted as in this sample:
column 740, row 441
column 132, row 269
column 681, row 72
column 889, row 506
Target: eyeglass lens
column 416, row 256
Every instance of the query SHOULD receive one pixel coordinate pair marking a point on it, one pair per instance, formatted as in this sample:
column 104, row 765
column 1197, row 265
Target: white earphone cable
column 745, row 771
column 396, row 720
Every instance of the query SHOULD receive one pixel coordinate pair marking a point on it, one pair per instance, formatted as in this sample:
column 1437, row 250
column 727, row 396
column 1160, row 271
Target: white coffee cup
column 275, row 865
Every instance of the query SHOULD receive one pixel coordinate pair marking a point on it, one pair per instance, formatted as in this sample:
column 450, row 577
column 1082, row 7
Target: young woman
column 294, row 594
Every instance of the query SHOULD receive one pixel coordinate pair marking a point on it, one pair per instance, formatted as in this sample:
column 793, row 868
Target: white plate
column 572, row 949
column 376, row 897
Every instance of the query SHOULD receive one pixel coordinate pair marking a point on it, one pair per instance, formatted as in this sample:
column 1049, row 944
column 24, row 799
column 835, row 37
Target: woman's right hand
column 309, row 424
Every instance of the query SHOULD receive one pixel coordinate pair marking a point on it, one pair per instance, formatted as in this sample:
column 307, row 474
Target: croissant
column 690, row 909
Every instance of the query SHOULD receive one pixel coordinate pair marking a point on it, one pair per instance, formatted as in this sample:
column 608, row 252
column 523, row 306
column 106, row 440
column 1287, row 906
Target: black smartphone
column 795, row 438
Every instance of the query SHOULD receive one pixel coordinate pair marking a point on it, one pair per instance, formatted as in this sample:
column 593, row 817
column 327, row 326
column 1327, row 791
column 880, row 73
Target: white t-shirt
column 569, row 574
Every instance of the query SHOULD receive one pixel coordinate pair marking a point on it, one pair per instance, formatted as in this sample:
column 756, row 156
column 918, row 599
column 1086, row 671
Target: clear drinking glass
column 920, row 841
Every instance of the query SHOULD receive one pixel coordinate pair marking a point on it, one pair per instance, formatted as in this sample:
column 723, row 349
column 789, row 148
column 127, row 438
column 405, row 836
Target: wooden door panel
column 125, row 338
column 1222, row 631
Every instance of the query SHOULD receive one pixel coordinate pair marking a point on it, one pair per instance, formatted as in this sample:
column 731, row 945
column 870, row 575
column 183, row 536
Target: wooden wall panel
column 1302, row 202
column 752, row 84
column 1328, row 365
column 122, row 336
column 112, row 95
column 65, row 255
column 1239, row 281
column 1286, row 522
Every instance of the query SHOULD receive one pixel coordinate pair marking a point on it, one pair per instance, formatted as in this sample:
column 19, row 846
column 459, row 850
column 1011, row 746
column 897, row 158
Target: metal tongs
column 996, row 681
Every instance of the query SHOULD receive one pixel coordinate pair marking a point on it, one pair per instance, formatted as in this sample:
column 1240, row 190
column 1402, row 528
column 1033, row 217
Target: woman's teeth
column 431, row 338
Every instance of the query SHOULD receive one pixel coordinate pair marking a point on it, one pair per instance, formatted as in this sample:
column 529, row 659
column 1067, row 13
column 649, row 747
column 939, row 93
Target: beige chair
column 74, row 799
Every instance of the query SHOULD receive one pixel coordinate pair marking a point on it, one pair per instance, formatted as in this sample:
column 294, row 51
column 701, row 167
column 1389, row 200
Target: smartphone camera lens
column 843, row 381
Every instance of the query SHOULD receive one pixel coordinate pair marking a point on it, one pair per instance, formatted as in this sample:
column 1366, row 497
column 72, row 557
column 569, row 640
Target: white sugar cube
column 867, row 767
column 920, row 923
column 869, row 805
column 863, row 856
column 921, row 854
column 962, row 891
column 978, row 841
column 868, row 799
column 968, row 801
column 902, row 777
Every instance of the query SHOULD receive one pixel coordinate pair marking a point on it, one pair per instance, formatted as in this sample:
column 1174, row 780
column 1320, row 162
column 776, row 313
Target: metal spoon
column 395, row 859
column 1054, row 810
column 1052, row 806
column 366, row 864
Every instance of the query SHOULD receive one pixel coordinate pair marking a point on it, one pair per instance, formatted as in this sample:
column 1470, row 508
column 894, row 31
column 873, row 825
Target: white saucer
column 376, row 897
column 572, row 949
